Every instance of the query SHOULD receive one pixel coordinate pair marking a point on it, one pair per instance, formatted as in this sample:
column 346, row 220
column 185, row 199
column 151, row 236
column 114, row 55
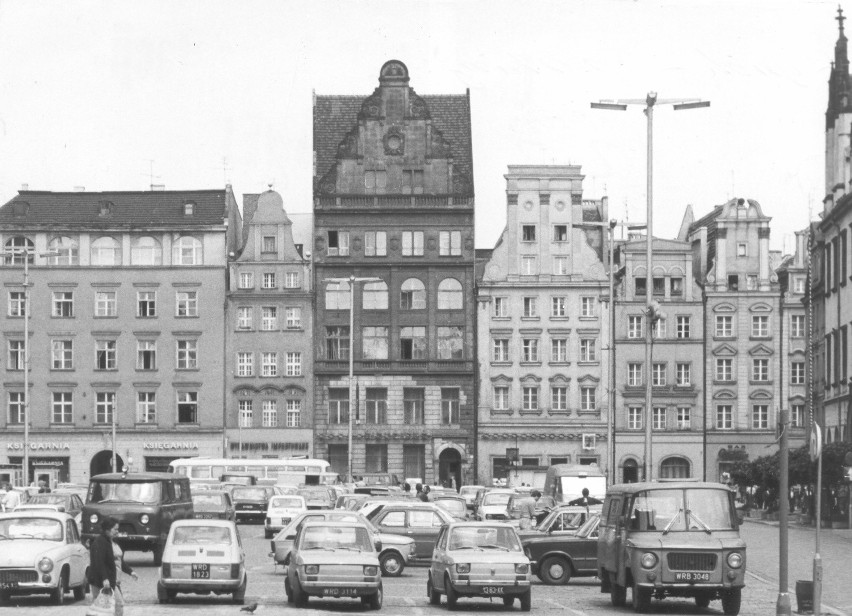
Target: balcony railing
column 394, row 365
column 380, row 202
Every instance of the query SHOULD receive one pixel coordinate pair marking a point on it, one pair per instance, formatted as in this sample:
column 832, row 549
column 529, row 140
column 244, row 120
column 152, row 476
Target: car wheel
column 452, row 596
column 526, row 601
column 376, row 599
column 239, row 595
column 731, row 600
column 392, row 564
column 287, row 590
column 158, row 555
column 57, row 596
column 702, row 600
column 617, row 594
column 508, row 600
column 300, row 597
column 162, row 594
column 641, row 598
column 554, row 570
column 434, row 595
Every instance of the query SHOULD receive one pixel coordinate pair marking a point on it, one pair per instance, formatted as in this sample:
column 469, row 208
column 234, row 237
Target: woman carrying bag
column 106, row 559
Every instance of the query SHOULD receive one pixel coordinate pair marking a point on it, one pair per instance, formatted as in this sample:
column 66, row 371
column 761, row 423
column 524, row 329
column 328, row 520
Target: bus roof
column 578, row 470
column 630, row 488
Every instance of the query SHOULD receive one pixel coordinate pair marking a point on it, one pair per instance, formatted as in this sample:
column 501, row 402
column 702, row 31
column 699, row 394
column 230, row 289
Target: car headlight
column 93, row 518
column 45, row 565
column 462, row 567
column 735, row 560
column 522, row 568
column 649, row 560
column 311, row 569
column 371, row 570
column 144, row 518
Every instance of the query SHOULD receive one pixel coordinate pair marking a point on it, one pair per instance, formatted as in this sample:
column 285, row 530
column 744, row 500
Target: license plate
column 121, row 534
column 691, row 576
column 204, row 516
column 200, row 571
column 340, row 592
column 8, row 585
column 492, row 590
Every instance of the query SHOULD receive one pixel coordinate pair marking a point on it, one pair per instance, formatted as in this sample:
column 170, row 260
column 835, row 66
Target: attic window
column 104, row 208
column 19, row 208
column 188, row 208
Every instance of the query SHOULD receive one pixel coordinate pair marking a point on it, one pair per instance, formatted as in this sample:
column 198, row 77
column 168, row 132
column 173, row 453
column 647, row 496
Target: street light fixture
column 351, row 280
column 621, row 105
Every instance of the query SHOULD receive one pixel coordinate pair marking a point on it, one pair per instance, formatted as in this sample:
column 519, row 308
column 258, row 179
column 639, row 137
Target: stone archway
column 102, row 463
column 630, row 471
column 449, row 467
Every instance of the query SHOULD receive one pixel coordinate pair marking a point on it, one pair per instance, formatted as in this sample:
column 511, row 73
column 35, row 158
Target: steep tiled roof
column 707, row 220
column 334, row 116
column 142, row 208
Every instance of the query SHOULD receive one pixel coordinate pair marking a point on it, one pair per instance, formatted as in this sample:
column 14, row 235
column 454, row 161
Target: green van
column 143, row 504
column 677, row 539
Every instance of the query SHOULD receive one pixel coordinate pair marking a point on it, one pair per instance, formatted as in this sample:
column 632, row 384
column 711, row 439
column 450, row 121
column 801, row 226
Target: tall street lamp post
column 621, row 105
column 351, row 280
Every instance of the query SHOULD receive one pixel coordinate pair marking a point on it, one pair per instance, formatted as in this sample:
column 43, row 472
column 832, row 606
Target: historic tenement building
column 125, row 328
column 394, row 203
column 677, row 370
column 269, row 356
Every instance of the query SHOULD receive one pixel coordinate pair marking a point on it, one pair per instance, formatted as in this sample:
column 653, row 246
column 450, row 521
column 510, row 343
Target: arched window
column 145, row 250
column 15, row 249
column 450, row 295
column 186, row 251
column 413, row 295
column 375, row 296
column 630, row 471
column 674, row 468
column 67, row 251
column 106, row 251
column 337, row 296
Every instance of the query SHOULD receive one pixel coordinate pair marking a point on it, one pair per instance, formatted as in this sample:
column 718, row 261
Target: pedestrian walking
column 106, row 560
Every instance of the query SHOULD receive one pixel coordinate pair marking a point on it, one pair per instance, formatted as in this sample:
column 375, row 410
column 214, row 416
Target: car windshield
column 201, row 534
column 132, row 492
column 691, row 509
column 464, row 490
column 249, row 493
column 31, row 528
column 588, row 527
column 49, row 499
column 207, row 501
column 484, row 538
column 286, row 502
column 496, row 498
column 455, row 507
column 336, row 538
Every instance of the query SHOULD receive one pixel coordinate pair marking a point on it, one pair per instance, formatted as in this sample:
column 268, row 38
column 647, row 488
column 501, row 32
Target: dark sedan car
column 213, row 505
column 420, row 521
column 557, row 555
column 251, row 502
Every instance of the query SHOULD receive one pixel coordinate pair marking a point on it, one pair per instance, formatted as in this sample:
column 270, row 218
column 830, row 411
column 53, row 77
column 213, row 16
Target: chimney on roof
column 25, row 186
column 158, row 187
column 79, row 189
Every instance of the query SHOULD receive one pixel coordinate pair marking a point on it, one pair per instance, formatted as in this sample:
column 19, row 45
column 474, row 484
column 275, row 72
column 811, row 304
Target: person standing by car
column 10, row 499
column 528, row 510
column 105, row 563
column 585, row 500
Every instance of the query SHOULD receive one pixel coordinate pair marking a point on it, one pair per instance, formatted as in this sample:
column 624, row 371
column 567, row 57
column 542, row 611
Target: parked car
column 350, row 501
column 213, row 505
column 479, row 559
column 243, row 479
column 454, row 505
column 42, row 554
column 492, row 505
column 251, row 502
column 420, row 521
column 379, row 479
column 281, row 511
column 203, row 556
column 564, row 519
column 468, row 493
column 68, row 502
column 317, row 497
column 557, row 556
column 337, row 559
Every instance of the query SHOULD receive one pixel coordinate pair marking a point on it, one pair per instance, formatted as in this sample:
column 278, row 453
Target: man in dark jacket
column 585, row 500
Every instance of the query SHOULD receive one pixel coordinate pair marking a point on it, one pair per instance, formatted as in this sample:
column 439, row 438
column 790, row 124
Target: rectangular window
column 269, row 414
column 587, row 350
column 797, row 373
column 187, row 354
column 246, row 280
column 294, row 413
column 724, row 417
column 63, row 408
column 268, row 280
column 634, row 374
column 146, row 304
column 530, row 350
column 269, row 318
column 146, row 355
column 294, row 364
column 760, row 326
column 751, row 282
column 62, row 354
column 527, row 233
column 529, row 267
column 797, row 416
column 187, row 304
column 244, row 317
column 294, row 317
column 682, row 327
column 501, row 307
column 374, row 342
column 16, row 355
column 659, row 418
column 63, row 304
column 105, row 355
column 724, row 369
column 291, row 280
column 245, row 363
column 742, row 249
column 588, row 306
column 798, row 284
column 634, row 418
column 760, row 417
column 640, row 288
column 724, row 326
column 760, row 369
column 376, row 458
column 530, row 398
column 413, row 403
column 269, row 244
column 375, row 243
column 338, row 405
column 17, row 304
column 683, row 372
column 449, row 243
column 560, row 233
column 246, row 414
column 684, row 420
column 559, row 398
column 412, row 341
column 659, row 286
column 338, row 243
column 451, row 343
column 146, row 407
column 588, row 400
column 733, row 282
column 500, row 349
column 658, row 374
column 16, row 403
column 559, row 349
column 412, row 243
column 797, row 326
column 559, row 307
column 187, row 406
column 449, row 406
column 530, row 307
column 269, row 364
column 659, row 328
column 501, row 398
column 376, row 407
column 634, row 327
column 676, row 286
column 104, row 407
column 560, row 266
column 337, row 342
column 105, row 304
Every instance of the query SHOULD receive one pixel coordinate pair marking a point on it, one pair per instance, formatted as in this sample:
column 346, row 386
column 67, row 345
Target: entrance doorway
column 449, row 467
column 630, row 471
column 102, row 463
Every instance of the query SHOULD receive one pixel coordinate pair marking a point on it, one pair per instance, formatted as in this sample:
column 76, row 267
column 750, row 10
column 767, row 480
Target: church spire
column 839, row 82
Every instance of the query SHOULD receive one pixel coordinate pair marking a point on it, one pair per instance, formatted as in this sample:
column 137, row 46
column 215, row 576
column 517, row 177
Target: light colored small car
column 203, row 556
column 334, row 559
column 492, row 505
column 454, row 505
column 41, row 553
column 479, row 559
column 63, row 501
column 281, row 511
column 468, row 493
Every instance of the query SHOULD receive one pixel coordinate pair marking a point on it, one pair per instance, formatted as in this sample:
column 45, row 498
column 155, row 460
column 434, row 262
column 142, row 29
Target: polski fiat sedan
column 476, row 559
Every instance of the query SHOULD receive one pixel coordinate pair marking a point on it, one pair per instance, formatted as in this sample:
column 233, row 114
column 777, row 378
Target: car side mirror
column 378, row 545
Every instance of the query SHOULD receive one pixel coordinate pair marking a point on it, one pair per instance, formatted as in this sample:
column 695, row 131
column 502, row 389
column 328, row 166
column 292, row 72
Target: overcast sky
column 92, row 92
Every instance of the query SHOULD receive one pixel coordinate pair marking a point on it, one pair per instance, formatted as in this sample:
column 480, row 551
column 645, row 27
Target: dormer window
column 20, row 208
column 188, row 208
column 269, row 244
column 104, row 208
